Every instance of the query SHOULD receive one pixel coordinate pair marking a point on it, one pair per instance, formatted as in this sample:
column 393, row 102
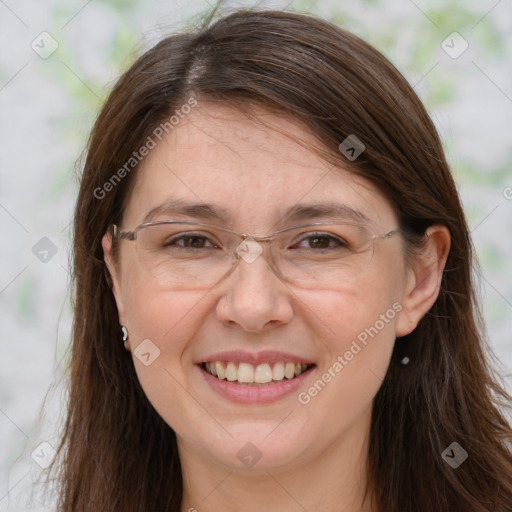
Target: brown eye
column 189, row 241
column 319, row 242
column 196, row 242
column 322, row 241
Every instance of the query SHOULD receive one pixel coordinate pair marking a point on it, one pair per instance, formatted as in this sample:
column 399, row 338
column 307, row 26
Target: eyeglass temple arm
column 389, row 234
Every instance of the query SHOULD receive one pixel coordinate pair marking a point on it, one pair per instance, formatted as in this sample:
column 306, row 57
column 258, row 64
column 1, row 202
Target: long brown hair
column 117, row 453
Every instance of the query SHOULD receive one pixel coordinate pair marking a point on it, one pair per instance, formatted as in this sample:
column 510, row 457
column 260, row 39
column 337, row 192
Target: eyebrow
column 297, row 213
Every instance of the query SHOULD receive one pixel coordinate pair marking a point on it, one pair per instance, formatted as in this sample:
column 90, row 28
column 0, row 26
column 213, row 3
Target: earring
column 125, row 332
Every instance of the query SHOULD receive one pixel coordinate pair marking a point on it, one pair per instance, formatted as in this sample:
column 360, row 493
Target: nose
column 253, row 296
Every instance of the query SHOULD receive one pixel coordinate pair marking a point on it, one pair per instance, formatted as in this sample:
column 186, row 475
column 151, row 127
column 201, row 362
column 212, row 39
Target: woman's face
column 218, row 156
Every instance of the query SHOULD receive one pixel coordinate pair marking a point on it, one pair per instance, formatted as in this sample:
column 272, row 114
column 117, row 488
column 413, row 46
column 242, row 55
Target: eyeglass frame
column 117, row 232
column 132, row 235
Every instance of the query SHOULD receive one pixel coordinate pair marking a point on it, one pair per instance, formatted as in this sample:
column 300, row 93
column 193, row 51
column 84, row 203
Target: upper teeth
column 260, row 374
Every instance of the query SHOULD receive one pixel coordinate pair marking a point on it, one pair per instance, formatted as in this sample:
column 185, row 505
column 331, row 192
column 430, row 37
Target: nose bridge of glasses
column 253, row 251
column 251, row 247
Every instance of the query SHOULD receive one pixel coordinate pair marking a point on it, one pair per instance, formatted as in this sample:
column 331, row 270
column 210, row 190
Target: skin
column 313, row 455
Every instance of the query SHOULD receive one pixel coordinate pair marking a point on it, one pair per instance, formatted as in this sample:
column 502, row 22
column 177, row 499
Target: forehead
column 253, row 169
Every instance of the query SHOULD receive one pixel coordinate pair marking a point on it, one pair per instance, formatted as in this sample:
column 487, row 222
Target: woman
column 274, row 305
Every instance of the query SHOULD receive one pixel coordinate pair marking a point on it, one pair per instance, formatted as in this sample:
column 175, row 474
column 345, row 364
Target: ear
column 424, row 279
column 113, row 271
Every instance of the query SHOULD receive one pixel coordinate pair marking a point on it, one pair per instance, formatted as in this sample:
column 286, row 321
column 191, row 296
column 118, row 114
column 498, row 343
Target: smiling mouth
column 261, row 374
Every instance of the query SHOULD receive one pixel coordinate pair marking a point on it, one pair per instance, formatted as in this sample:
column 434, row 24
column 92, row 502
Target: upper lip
column 255, row 358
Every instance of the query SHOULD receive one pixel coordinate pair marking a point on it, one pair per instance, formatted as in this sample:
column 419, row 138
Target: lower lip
column 259, row 394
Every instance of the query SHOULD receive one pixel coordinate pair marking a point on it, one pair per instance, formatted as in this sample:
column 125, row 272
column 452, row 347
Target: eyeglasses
column 186, row 255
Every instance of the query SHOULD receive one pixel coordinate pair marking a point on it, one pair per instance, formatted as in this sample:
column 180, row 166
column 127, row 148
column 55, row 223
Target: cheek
column 161, row 316
column 339, row 398
column 357, row 329
column 365, row 312
column 168, row 319
column 161, row 327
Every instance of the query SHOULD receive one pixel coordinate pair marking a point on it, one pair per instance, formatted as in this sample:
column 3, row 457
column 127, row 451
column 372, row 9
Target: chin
column 260, row 447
